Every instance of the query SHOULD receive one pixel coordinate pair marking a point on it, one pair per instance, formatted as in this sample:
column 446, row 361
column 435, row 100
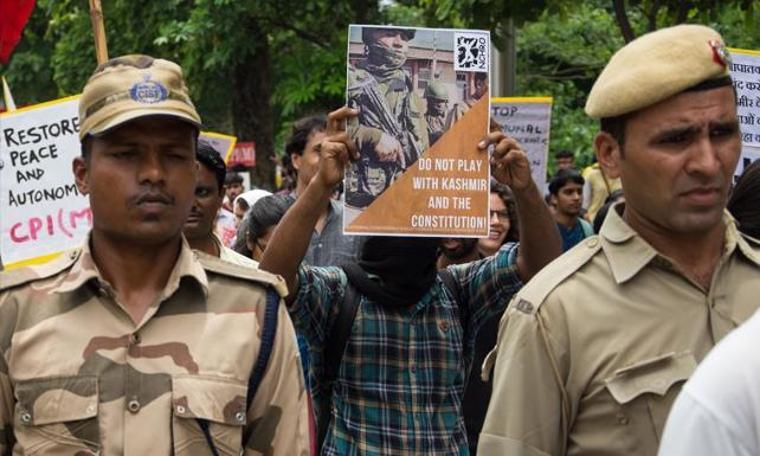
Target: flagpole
column 10, row 105
column 99, row 31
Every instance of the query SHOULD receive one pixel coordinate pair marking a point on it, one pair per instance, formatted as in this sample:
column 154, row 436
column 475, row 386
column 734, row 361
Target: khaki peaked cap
column 657, row 66
column 133, row 86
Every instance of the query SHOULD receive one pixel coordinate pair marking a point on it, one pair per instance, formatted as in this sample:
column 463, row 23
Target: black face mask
column 385, row 56
column 395, row 271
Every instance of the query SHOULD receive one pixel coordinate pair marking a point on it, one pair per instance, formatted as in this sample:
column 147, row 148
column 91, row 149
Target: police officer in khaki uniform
column 391, row 131
column 593, row 351
column 133, row 344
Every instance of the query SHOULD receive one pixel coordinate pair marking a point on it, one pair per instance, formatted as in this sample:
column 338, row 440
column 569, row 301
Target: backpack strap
column 452, row 284
column 333, row 350
column 267, row 344
column 268, row 334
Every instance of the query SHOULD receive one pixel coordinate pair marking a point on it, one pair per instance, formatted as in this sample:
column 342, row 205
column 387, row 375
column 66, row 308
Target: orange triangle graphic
column 448, row 199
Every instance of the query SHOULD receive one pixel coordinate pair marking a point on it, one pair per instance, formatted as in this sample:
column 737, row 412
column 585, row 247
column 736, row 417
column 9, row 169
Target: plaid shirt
column 400, row 384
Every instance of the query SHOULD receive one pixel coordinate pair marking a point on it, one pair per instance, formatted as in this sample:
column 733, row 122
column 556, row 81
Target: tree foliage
column 254, row 66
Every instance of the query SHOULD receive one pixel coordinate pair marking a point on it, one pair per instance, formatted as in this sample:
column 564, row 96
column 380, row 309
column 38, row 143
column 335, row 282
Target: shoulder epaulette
column 219, row 266
column 533, row 294
column 17, row 277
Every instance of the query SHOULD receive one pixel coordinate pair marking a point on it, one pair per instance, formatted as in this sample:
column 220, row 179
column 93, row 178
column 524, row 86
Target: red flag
column 13, row 17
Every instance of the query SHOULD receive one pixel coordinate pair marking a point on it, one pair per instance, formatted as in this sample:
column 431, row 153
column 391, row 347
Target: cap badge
column 721, row 55
column 148, row 91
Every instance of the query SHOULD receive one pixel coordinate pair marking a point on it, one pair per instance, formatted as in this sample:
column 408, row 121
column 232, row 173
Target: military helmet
column 367, row 33
column 436, row 89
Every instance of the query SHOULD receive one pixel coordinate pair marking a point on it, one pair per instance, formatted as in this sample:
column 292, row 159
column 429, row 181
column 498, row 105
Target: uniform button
column 622, row 419
column 181, row 409
column 134, row 338
column 240, row 417
column 26, row 418
column 592, row 242
column 133, row 406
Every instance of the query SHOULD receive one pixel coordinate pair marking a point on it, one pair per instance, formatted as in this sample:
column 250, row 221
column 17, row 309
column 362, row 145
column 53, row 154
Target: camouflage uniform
column 388, row 102
column 78, row 377
column 436, row 120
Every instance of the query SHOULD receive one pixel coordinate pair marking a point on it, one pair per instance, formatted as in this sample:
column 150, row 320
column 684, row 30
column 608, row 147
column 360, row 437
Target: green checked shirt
column 400, row 385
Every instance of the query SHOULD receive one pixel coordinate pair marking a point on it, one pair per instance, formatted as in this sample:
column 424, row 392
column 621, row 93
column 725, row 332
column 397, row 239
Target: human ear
column 80, row 169
column 608, row 153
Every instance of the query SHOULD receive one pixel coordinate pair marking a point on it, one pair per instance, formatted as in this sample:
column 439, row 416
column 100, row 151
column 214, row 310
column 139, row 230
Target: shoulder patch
column 22, row 276
column 529, row 299
column 218, row 266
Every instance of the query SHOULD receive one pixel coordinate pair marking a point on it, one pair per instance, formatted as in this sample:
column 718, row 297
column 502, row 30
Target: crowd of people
column 201, row 317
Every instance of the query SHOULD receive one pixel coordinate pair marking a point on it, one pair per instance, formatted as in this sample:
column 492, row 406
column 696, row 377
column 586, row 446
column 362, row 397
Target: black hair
column 266, row 213
column 86, row 148
column 301, row 131
column 508, row 198
column 564, row 154
column 744, row 203
column 615, row 126
column 562, row 178
column 232, row 178
column 210, row 158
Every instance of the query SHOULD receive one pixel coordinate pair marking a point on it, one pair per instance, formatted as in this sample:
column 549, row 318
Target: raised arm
column 540, row 242
column 291, row 238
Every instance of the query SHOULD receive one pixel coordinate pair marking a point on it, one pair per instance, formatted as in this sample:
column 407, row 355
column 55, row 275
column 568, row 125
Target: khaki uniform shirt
column 231, row 256
column 593, row 351
column 77, row 376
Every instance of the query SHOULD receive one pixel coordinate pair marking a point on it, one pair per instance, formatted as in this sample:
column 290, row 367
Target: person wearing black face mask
column 408, row 342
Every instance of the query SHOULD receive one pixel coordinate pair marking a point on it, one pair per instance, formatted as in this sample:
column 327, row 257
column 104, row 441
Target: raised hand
column 337, row 149
column 509, row 162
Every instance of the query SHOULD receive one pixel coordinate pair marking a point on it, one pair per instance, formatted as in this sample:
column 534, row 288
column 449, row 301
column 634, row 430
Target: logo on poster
column 471, row 51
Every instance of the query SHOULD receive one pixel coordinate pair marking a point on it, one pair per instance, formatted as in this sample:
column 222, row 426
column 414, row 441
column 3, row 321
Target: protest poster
column 224, row 144
column 423, row 101
column 43, row 213
column 745, row 72
column 528, row 120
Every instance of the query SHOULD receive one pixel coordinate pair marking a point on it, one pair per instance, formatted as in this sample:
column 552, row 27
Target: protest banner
column 224, row 144
column 43, row 213
column 244, row 154
column 528, row 120
column 423, row 100
column 745, row 71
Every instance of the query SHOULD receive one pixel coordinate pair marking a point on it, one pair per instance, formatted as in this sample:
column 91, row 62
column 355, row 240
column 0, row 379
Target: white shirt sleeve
column 693, row 430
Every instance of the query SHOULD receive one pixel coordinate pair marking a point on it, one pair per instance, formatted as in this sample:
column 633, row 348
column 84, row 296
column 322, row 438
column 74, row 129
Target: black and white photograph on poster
column 410, row 86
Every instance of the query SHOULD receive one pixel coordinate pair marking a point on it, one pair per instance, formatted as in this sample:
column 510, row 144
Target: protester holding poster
column 406, row 332
column 389, row 71
column 134, row 344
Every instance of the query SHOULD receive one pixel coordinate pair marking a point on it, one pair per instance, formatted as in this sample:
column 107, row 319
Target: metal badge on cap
column 148, row 91
column 720, row 53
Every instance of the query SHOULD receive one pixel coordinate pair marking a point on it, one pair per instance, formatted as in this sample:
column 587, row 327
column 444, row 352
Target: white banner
column 528, row 120
column 745, row 71
column 42, row 211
